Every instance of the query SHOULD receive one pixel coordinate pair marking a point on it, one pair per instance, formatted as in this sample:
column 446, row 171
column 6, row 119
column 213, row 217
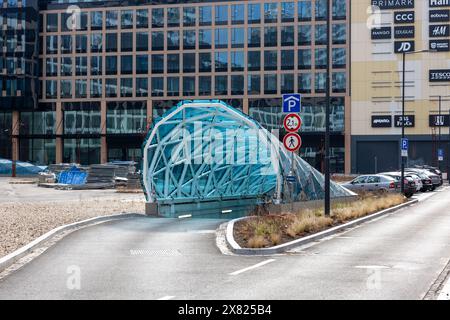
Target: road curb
column 236, row 248
column 13, row 257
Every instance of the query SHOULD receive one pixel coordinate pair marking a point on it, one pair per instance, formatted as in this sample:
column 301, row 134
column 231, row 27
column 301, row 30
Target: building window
column 237, row 85
column 126, row 64
column 221, row 85
column 96, row 20
column 204, row 86
column 320, row 82
column 270, row 60
column 173, row 17
column 304, row 10
column 270, row 36
column 158, row 18
column 254, row 37
column 271, row 12
column 287, row 36
column 173, row 63
column 80, row 88
column 339, row 82
column 237, row 38
column 111, row 42
column 96, row 88
column 142, row 18
column 82, row 151
column 111, row 19
column 189, row 39
column 142, row 64
column 173, row 40
column 189, row 17
column 321, row 58
column 254, row 61
column 127, row 19
column 270, row 84
column 141, row 87
column 96, row 66
column 204, row 38
column 287, row 58
column 237, row 14
column 339, row 33
column 81, row 66
column 157, row 63
column 66, row 89
column 304, row 35
column 173, row 86
column 66, row 66
column 288, row 11
column 254, row 85
column 52, row 22
column 189, row 86
column 111, row 88
column 96, row 42
column 221, row 15
column 52, row 44
column 81, row 43
column 126, row 42
column 321, row 10
column 339, row 9
column 287, row 83
column 339, row 57
column 111, row 65
column 205, row 16
column 126, row 117
column 204, row 62
column 254, row 13
column 157, row 41
column 221, row 38
column 126, row 87
column 157, row 87
column 221, row 61
column 321, row 34
column 66, row 44
column 304, row 83
column 189, row 65
column 52, row 67
column 237, row 61
column 304, row 59
column 141, row 41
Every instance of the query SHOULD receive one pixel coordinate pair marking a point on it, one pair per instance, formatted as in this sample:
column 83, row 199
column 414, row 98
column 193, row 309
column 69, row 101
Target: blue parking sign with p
column 405, row 144
column 292, row 103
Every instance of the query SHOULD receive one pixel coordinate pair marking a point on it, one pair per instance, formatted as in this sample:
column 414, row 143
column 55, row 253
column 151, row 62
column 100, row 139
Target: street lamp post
column 403, row 112
column 327, row 120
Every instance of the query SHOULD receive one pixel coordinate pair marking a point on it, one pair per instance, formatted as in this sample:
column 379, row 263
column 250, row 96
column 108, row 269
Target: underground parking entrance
column 207, row 159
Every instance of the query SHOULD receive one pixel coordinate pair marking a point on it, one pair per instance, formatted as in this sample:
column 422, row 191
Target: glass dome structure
column 208, row 151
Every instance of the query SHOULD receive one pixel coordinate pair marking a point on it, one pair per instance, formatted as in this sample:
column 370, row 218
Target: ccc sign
column 404, row 17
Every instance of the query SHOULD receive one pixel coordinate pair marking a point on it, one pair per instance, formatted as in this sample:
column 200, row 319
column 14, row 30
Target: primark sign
column 393, row 4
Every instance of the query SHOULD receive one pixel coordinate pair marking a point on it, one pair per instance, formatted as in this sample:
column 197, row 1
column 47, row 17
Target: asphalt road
column 399, row 256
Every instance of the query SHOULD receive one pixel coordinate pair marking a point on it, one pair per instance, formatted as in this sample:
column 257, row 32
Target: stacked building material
column 102, row 173
column 134, row 181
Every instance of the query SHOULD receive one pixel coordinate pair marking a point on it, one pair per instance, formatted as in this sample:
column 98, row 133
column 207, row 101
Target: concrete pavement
column 396, row 257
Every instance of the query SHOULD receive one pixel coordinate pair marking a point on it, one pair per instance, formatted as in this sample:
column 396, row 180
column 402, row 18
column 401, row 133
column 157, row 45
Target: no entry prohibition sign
column 292, row 122
column 292, row 142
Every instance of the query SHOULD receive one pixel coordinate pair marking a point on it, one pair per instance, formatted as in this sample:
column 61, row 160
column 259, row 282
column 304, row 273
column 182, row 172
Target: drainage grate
column 155, row 253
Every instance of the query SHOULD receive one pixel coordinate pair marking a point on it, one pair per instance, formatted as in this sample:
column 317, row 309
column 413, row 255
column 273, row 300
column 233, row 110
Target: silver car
column 372, row 183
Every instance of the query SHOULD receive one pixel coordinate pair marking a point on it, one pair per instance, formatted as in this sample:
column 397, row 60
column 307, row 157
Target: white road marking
column 185, row 216
column 372, row 267
column 166, row 298
column 252, row 267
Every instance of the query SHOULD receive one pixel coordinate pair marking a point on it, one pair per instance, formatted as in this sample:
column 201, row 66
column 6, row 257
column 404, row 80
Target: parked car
column 427, row 185
column 435, row 179
column 372, row 183
column 433, row 170
column 417, row 180
column 410, row 185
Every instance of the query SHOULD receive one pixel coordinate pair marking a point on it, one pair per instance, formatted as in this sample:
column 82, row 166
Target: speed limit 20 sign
column 292, row 122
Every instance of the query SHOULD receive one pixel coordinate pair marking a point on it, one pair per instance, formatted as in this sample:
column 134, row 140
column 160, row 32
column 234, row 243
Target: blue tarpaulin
column 73, row 176
column 22, row 168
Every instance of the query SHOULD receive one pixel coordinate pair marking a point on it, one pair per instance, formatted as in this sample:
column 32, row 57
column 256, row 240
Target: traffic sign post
column 405, row 148
column 441, row 155
column 292, row 103
column 292, row 142
column 292, row 122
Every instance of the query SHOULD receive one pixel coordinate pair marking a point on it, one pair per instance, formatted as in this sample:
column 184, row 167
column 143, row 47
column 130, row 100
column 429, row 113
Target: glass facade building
column 107, row 68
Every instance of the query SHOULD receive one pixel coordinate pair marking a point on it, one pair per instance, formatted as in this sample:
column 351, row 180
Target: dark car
column 435, row 179
column 426, row 181
column 432, row 170
column 410, row 185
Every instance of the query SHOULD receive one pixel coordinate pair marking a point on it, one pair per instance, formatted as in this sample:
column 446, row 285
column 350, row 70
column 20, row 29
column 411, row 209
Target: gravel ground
column 22, row 221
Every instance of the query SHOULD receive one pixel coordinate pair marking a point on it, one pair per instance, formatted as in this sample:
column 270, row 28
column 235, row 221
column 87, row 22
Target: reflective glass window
column 221, row 85
column 254, row 13
column 173, row 17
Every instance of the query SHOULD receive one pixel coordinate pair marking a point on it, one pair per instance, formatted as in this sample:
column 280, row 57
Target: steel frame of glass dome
column 172, row 179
